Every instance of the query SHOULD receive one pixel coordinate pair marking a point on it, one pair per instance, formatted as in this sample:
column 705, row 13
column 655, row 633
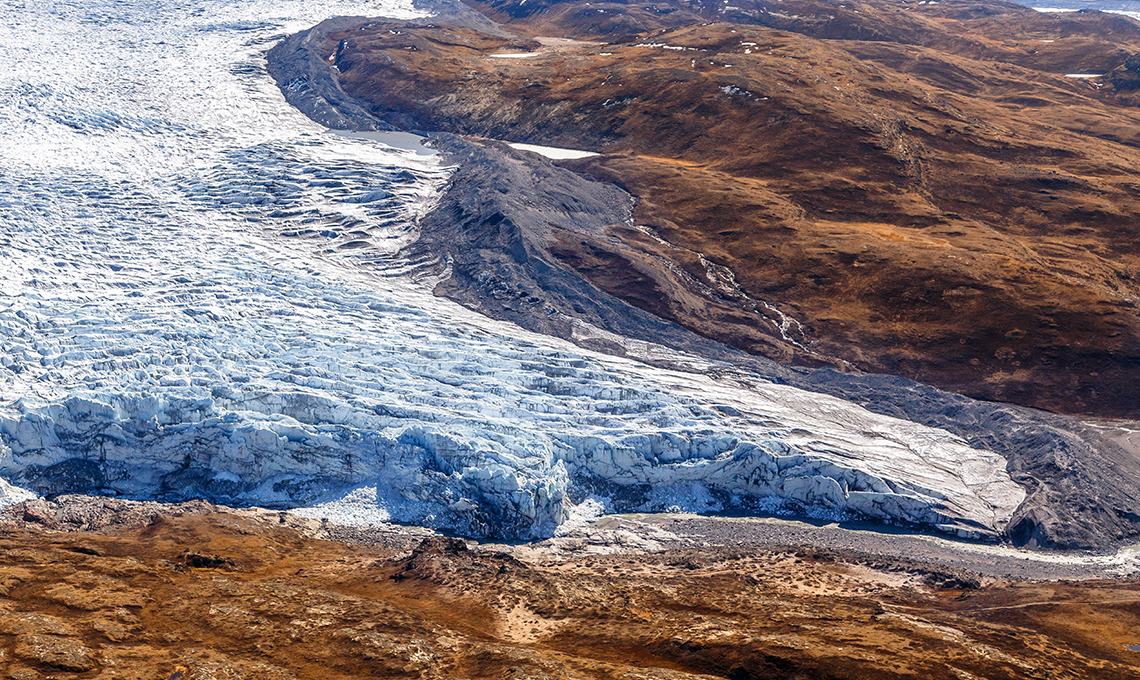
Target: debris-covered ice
column 198, row 299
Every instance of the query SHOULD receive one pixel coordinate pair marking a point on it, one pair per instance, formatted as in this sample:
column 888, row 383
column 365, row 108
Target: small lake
column 394, row 139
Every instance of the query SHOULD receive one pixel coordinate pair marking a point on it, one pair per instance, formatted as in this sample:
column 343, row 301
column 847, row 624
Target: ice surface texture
column 198, row 298
column 304, row 387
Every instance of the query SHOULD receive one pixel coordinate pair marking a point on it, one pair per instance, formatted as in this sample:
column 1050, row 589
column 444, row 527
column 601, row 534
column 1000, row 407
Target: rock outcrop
column 297, row 607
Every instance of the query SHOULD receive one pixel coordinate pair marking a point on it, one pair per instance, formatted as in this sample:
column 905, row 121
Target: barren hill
column 910, row 189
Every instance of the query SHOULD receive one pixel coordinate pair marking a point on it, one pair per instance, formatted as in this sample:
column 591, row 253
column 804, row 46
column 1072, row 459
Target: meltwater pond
column 200, row 297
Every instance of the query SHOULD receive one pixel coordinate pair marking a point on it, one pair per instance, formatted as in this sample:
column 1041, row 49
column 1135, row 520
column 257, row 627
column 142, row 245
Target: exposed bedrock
column 300, row 69
column 495, row 240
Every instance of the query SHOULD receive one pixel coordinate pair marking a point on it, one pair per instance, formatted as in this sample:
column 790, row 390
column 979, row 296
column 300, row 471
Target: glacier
column 283, row 385
column 202, row 297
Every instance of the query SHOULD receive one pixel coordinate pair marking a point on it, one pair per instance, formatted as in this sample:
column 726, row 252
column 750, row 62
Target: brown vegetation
column 197, row 595
column 899, row 188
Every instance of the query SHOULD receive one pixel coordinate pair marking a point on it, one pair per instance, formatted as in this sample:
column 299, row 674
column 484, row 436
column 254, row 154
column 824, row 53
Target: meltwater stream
column 198, row 298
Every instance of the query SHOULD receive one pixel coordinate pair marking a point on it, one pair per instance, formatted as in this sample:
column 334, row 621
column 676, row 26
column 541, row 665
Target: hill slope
column 899, row 188
column 196, row 592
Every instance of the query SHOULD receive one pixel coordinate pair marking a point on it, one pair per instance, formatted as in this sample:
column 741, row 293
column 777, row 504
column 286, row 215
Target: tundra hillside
column 904, row 188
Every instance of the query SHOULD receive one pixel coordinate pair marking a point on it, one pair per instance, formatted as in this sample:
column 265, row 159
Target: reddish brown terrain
column 885, row 186
column 197, row 592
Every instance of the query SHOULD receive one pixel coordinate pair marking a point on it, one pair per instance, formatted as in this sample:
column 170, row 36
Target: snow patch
column 551, row 151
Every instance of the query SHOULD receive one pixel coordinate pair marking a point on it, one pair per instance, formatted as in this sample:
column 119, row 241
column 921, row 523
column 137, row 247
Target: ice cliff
column 456, row 420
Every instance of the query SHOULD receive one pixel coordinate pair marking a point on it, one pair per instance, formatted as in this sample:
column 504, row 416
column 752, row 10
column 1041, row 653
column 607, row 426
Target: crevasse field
column 200, row 296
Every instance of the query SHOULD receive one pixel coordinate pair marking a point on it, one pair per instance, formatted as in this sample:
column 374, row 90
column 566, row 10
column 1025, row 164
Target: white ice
column 1062, row 10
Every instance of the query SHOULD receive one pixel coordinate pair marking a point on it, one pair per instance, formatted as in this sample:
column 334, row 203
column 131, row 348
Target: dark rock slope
column 491, row 236
column 513, row 237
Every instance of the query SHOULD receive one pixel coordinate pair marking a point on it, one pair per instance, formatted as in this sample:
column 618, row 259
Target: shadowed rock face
column 914, row 190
